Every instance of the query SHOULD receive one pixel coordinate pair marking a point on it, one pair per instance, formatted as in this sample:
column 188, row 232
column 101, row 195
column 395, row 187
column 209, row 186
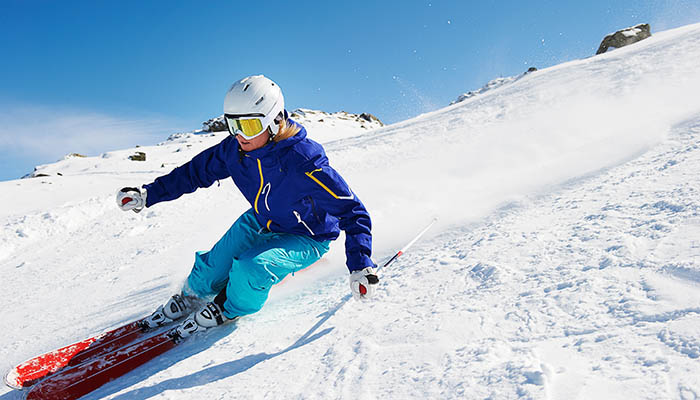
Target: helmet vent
column 259, row 101
column 246, row 87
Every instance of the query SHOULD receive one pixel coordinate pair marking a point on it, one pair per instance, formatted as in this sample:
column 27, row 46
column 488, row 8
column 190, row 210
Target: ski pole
column 405, row 248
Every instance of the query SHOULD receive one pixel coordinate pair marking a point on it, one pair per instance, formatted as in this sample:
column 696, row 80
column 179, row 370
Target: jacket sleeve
column 200, row 172
column 332, row 194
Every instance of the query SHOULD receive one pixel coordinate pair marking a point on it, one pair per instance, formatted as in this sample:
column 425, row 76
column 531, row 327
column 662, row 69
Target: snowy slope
column 491, row 85
column 566, row 264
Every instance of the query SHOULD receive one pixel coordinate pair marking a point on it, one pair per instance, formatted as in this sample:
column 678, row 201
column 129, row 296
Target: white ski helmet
column 252, row 105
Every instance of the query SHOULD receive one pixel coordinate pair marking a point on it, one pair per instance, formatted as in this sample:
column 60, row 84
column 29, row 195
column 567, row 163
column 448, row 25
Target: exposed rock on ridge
column 625, row 37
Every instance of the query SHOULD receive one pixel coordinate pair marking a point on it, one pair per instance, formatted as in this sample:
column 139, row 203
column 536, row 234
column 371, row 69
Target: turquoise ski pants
column 247, row 261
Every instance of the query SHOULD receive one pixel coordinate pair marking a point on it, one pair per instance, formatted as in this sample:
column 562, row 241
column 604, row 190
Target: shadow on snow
column 210, row 374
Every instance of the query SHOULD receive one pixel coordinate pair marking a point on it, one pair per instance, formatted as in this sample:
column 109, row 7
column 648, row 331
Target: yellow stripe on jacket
column 310, row 175
column 259, row 190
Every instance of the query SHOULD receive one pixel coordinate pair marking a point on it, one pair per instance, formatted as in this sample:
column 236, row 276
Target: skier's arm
column 332, row 194
column 200, row 172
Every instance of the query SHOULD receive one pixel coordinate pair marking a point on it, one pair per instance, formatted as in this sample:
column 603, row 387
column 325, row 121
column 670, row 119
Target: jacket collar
column 274, row 147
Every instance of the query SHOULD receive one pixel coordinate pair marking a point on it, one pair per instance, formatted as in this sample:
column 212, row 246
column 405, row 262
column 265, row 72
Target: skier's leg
column 257, row 269
column 211, row 268
column 210, row 272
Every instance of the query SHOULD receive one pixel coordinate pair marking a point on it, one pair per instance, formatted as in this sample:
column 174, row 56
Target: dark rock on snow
column 625, row 37
column 139, row 156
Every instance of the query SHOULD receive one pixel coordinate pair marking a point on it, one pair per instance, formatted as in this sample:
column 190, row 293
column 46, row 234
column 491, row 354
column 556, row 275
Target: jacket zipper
column 301, row 221
column 313, row 210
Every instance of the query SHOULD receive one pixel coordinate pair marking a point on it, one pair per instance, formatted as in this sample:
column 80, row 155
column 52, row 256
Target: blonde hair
column 286, row 131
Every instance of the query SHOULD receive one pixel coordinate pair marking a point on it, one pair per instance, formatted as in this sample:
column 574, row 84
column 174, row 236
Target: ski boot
column 177, row 307
column 209, row 316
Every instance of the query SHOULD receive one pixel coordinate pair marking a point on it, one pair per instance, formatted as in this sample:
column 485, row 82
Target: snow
column 631, row 32
column 565, row 264
column 491, row 85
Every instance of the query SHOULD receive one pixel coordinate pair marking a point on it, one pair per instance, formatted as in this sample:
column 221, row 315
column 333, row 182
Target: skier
column 299, row 204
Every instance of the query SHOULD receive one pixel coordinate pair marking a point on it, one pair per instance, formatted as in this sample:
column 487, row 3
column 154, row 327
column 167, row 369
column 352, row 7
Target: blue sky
column 94, row 76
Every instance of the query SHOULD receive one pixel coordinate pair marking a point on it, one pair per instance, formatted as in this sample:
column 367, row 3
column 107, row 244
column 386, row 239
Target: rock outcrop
column 215, row 125
column 625, row 37
column 138, row 156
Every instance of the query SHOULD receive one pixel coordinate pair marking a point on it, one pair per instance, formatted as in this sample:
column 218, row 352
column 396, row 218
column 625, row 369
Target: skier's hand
column 130, row 198
column 363, row 284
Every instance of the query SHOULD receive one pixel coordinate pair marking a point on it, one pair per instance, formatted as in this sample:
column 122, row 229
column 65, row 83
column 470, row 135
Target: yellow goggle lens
column 248, row 127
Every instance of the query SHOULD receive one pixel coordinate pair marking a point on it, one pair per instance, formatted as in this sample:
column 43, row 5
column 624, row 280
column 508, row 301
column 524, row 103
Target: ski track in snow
column 565, row 266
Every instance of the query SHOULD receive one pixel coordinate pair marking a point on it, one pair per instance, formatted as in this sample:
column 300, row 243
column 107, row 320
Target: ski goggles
column 250, row 125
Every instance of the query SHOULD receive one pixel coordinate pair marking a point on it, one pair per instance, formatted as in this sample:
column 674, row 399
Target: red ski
column 29, row 372
column 77, row 381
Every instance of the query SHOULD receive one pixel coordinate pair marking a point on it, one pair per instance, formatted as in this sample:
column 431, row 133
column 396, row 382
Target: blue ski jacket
column 290, row 186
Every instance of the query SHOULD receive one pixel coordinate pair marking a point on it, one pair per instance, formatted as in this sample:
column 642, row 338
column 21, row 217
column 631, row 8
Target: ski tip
column 11, row 379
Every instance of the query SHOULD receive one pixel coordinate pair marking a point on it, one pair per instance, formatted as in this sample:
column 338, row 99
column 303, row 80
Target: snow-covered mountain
column 323, row 127
column 337, row 125
column 566, row 263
